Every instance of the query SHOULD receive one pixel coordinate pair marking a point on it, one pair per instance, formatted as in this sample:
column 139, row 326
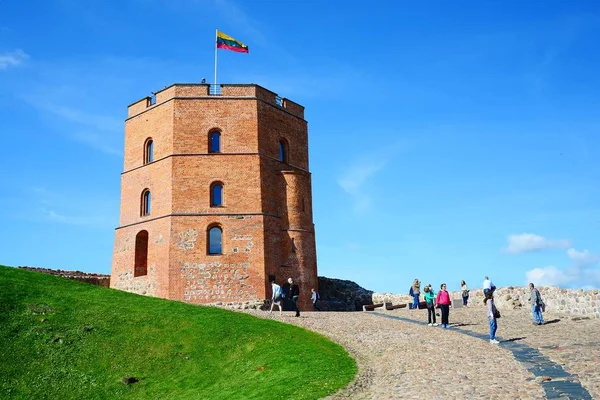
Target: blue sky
column 448, row 140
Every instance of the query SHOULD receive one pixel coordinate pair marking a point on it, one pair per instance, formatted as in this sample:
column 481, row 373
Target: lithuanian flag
column 229, row 43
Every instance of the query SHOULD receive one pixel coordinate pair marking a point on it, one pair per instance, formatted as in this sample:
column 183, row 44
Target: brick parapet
column 192, row 91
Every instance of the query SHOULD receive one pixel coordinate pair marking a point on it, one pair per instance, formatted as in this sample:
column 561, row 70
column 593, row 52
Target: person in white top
column 488, row 286
column 277, row 297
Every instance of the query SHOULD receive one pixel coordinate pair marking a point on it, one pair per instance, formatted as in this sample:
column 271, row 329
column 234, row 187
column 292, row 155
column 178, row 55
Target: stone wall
column 94, row 279
column 577, row 302
column 342, row 295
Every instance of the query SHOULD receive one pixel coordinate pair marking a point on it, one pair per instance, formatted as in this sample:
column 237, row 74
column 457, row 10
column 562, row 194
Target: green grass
column 61, row 339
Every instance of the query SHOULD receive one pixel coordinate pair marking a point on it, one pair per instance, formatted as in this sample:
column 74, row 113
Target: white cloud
column 353, row 180
column 583, row 273
column 582, row 258
column 12, row 58
column 549, row 276
column 529, row 242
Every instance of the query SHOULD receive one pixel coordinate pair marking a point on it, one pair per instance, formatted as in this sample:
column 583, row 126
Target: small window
column 215, row 244
column 283, row 150
column 216, row 194
column 293, row 245
column 141, row 254
column 146, row 202
column 149, row 151
column 214, row 145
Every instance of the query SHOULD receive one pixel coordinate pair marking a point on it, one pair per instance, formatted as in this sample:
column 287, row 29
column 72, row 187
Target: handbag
column 497, row 314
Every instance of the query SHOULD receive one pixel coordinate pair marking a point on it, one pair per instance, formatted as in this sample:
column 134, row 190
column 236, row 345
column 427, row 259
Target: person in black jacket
column 293, row 295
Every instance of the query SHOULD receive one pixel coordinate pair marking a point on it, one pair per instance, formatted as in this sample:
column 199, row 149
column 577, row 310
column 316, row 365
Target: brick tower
column 215, row 196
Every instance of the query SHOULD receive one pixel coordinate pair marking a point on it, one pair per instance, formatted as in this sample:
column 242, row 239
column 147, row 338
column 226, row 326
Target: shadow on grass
column 464, row 324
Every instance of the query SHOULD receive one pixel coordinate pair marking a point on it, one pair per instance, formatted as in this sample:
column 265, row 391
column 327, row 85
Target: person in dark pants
column 315, row 297
column 293, row 295
column 444, row 302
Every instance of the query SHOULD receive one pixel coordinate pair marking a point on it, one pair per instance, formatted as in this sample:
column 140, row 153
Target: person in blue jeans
column 492, row 313
column 415, row 291
column 537, row 305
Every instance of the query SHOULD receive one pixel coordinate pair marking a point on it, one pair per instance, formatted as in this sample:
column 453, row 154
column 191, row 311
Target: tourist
column 488, row 286
column 535, row 299
column 465, row 292
column 415, row 291
column 315, row 297
column 276, row 297
column 444, row 303
column 293, row 295
column 430, row 301
column 493, row 315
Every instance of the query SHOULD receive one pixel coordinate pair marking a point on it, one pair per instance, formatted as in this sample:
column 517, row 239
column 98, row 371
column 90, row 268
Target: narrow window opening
column 141, row 254
column 214, row 145
column 149, row 151
column 146, row 202
column 293, row 245
column 215, row 243
column 216, row 195
column 283, row 156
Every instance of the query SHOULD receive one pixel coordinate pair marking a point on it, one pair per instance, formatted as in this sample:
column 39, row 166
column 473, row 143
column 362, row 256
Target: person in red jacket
column 444, row 302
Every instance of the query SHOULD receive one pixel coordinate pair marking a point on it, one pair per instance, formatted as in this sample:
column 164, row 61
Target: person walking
column 493, row 315
column 415, row 291
column 537, row 304
column 276, row 297
column 465, row 292
column 430, row 301
column 315, row 297
column 444, row 303
column 293, row 295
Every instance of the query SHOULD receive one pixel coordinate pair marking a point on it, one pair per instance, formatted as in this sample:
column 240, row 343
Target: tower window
column 214, row 145
column 215, row 243
column 148, row 151
column 216, row 194
column 283, row 151
column 141, row 254
column 146, row 202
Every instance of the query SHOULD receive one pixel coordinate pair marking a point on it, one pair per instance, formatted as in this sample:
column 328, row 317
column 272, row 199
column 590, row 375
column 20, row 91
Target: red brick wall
column 262, row 198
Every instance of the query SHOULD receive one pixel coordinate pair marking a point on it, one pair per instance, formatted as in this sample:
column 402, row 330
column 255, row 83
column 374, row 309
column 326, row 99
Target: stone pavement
column 398, row 358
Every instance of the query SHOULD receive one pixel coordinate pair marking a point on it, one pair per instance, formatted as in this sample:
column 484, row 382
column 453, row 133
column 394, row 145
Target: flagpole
column 216, row 38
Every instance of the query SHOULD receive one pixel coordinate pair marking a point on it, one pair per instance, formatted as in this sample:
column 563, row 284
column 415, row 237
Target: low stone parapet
column 578, row 302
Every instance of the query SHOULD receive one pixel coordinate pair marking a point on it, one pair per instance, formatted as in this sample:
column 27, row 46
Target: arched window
column 214, row 142
column 215, row 243
column 283, row 151
column 141, row 254
column 216, row 194
column 148, row 151
column 146, row 202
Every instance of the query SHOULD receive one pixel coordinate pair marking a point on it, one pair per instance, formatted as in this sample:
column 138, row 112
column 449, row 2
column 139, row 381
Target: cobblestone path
column 398, row 358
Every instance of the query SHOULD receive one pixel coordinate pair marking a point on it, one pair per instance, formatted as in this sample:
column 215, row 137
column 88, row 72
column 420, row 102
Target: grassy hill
column 61, row 339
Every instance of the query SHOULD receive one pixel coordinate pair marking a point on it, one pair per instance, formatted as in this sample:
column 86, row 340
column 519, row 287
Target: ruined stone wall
column 577, row 302
column 87, row 277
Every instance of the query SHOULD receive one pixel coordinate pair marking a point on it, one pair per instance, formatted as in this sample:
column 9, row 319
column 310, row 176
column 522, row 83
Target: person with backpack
column 444, row 303
column 415, row 292
column 537, row 305
column 315, row 297
column 276, row 297
column 493, row 315
column 430, row 301
column 465, row 292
